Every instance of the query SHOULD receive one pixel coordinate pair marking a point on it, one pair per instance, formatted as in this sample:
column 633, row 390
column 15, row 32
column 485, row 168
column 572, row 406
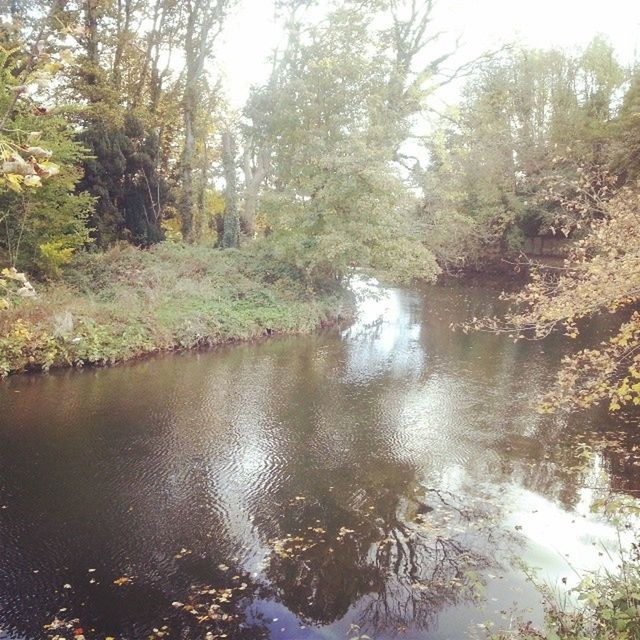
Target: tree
column 527, row 120
column 115, row 96
column 255, row 167
column 142, row 102
column 321, row 134
column 204, row 19
column 231, row 225
column 626, row 134
column 43, row 221
column 122, row 174
column 600, row 275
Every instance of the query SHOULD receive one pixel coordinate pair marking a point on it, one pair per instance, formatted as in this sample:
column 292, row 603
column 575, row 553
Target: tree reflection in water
column 398, row 559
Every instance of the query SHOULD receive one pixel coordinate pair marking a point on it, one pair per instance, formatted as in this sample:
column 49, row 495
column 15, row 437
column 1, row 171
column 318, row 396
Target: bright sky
column 251, row 33
column 546, row 23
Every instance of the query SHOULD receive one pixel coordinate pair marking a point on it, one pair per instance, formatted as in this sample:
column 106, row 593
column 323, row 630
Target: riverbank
column 129, row 302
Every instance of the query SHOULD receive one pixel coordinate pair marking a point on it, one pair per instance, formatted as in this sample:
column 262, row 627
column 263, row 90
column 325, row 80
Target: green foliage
column 127, row 302
column 43, row 218
column 42, row 227
column 337, row 199
column 626, row 138
column 21, row 348
column 527, row 122
column 121, row 173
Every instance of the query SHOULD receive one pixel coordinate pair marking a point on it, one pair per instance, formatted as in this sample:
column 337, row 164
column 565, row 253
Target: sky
column 251, row 32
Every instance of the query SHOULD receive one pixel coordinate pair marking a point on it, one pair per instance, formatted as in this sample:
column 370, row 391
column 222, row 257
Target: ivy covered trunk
column 186, row 164
column 231, row 234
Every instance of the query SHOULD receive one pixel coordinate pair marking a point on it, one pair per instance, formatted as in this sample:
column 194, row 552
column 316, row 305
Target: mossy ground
column 130, row 302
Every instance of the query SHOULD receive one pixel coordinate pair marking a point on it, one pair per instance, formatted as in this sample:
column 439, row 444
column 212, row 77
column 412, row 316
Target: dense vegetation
column 115, row 130
column 124, row 303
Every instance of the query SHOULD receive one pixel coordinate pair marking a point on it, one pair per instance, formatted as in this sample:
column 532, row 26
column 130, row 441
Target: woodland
column 140, row 211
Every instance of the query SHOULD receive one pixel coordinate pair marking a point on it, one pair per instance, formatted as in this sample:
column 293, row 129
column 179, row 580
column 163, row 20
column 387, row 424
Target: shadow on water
column 383, row 476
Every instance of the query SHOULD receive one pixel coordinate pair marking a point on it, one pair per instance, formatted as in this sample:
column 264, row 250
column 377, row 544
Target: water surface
column 384, row 475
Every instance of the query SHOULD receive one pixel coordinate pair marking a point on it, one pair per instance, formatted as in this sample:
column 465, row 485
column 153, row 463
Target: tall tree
column 231, row 234
column 204, row 20
column 103, row 92
column 626, row 136
column 334, row 196
column 43, row 220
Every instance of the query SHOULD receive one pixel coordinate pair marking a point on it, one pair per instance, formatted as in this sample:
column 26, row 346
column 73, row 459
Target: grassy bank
column 128, row 302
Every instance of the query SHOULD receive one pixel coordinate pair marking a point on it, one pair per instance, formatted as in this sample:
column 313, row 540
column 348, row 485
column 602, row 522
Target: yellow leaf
column 14, row 182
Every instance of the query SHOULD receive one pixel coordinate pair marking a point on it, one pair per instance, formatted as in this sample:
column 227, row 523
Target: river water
column 384, row 478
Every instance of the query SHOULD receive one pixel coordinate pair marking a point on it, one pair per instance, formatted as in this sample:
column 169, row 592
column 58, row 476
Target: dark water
column 384, row 476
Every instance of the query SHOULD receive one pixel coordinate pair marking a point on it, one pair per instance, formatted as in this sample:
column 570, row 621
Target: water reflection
column 380, row 476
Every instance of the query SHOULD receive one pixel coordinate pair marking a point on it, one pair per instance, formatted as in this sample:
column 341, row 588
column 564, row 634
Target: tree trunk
column 123, row 23
column 253, row 178
column 231, row 234
column 249, row 213
column 186, row 165
column 91, row 23
column 199, row 38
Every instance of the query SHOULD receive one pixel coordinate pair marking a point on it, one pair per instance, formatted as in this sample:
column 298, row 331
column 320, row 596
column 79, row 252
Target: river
column 384, row 478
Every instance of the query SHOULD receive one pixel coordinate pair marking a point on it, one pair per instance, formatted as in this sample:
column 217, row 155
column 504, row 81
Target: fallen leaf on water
column 122, row 581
